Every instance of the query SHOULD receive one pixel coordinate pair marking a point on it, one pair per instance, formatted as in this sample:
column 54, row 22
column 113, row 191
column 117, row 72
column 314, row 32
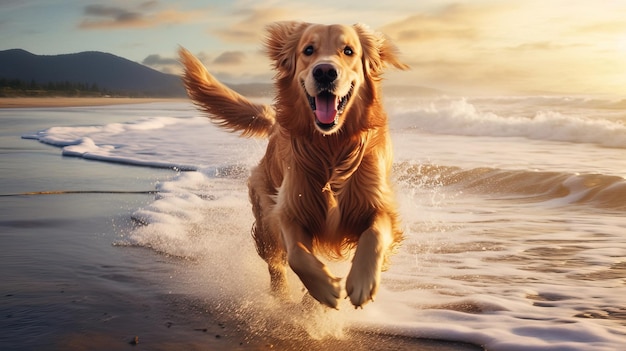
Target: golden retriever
column 323, row 186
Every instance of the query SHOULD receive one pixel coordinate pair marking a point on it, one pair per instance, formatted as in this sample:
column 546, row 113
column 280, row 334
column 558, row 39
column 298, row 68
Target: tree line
column 18, row 88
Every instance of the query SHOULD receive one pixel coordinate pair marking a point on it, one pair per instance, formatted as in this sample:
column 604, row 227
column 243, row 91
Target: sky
column 465, row 46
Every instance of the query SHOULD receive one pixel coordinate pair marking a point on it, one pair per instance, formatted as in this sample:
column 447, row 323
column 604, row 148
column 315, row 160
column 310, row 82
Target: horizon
column 480, row 47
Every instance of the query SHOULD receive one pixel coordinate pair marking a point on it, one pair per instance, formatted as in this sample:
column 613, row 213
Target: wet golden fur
column 317, row 191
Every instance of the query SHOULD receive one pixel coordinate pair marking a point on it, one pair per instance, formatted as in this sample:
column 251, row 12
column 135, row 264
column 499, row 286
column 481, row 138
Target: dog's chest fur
column 332, row 167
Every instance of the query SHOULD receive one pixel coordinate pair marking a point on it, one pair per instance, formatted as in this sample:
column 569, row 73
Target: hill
column 105, row 71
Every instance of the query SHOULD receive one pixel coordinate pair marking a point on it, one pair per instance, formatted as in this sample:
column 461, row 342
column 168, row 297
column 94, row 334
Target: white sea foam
column 462, row 117
column 506, row 274
column 424, row 130
column 167, row 142
column 465, row 272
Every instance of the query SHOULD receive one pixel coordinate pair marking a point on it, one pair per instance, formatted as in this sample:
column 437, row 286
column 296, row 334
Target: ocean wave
column 546, row 101
column 462, row 117
column 443, row 283
column 557, row 188
column 182, row 143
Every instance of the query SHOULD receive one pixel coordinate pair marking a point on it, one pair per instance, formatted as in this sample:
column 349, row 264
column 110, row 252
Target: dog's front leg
column 315, row 276
column 364, row 277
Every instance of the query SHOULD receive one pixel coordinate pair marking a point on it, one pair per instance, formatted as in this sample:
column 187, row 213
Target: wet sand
column 30, row 102
column 66, row 285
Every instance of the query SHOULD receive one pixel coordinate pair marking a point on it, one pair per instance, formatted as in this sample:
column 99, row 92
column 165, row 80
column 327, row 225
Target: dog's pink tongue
column 326, row 108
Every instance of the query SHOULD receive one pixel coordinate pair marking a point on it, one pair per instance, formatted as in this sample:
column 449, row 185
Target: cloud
column 146, row 5
column 543, row 46
column 246, row 22
column 607, row 27
column 540, row 45
column 470, row 76
column 9, row 4
column 164, row 64
column 172, row 65
column 114, row 17
column 157, row 60
column 450, row 22
column 420, row 28
column 250, row 28
column 230, row 58
column 111, row 15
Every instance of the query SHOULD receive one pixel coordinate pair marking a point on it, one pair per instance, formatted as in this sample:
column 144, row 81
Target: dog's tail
column 224, row 106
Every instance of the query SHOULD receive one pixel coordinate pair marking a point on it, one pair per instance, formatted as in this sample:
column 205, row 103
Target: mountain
column 107, row 71
column 121, row 76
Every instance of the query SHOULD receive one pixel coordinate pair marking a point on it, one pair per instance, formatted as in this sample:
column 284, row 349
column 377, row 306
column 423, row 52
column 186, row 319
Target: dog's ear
column 378, row 51
column 282, row 44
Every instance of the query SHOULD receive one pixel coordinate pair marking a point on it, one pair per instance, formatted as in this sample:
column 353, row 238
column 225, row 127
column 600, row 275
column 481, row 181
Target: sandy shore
column 29, row 102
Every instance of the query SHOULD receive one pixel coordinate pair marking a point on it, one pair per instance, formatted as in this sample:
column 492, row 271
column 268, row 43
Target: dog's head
column 327, row 67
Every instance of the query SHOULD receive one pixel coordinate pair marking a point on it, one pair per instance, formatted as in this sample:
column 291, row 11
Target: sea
column 513, row 209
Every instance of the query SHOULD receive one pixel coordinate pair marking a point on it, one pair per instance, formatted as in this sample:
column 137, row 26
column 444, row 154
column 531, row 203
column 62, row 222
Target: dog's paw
column 362, row 286
column 318, row 280
column 327, row 291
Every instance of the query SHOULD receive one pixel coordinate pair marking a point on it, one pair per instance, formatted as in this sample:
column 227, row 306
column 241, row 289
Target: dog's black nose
column 325, row 73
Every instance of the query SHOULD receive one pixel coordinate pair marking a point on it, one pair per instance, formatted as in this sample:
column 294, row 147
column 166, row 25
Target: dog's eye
column 308, row 51
column 348, row 51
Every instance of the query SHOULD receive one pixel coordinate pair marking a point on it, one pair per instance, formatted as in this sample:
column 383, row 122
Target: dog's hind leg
column 276, row 260
column 266, row 234
column 278, row 279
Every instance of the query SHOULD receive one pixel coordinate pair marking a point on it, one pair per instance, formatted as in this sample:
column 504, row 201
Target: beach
column 128, row 226
column 73, row 278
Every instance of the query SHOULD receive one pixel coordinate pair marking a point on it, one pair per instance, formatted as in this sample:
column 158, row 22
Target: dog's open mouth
column 327, row 107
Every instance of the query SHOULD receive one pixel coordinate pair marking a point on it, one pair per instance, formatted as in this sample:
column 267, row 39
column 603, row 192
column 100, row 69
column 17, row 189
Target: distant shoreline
column 33, row 102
